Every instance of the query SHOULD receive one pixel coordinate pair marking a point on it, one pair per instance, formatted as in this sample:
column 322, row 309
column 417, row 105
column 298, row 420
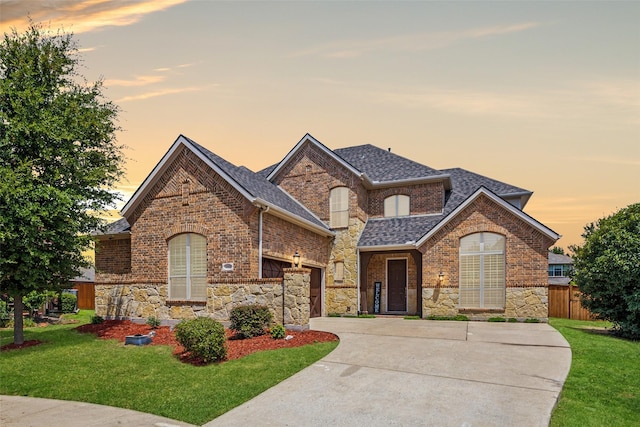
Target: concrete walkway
column 386, row 371
column 391, row 371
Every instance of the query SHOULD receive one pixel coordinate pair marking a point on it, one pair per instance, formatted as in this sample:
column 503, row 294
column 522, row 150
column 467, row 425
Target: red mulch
column 236, row 348
column 25, row 344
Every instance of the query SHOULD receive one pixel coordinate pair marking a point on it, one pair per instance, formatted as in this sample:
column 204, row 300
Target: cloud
column 80, row 16
column 138, row 81
column 163, row 92
column 411, row 42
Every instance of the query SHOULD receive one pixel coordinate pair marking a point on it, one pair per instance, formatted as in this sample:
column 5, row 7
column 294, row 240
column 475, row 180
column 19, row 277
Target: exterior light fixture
column 296, row 260
column 440, row 277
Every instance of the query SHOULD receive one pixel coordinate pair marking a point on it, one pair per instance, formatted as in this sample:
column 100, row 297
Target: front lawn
column 603, row 386
column 81, row 367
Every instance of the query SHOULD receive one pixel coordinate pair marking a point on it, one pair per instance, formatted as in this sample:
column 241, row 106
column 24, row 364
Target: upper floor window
column 188, row 267
column 559, row 270
column 482, row 271
column 397, row 205
column 339, row 207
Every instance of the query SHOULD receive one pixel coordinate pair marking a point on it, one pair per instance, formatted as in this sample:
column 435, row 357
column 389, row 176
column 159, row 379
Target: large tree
column 607, row 269
column 58, row 161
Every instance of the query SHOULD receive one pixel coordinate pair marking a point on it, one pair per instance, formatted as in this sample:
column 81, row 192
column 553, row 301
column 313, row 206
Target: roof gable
column 250, row 185
column 483, row 191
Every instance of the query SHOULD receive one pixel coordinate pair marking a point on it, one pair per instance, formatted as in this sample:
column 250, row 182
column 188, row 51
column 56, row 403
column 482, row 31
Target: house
column 374, row 232
column 560, row 267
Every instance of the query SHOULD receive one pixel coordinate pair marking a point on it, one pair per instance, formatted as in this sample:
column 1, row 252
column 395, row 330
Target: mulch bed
column 236, row 348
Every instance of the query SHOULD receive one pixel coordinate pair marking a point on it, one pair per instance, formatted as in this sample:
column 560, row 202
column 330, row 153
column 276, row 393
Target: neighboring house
column 375, row 232
column 560, row 267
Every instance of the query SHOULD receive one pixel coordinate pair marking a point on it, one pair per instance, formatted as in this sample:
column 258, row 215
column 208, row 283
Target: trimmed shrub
column 68, row 302
column 512, row 320
column 96, row 320
column 203, row 337
column 278, row 332
column 250, row 320
column 496, row 319
column 153, row 321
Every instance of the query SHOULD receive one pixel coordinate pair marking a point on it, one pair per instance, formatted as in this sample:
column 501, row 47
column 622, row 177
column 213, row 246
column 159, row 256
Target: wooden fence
column 86, row 295
column 564, row 302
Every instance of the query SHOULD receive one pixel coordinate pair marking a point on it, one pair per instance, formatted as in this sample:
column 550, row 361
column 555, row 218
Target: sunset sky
column 541, row 95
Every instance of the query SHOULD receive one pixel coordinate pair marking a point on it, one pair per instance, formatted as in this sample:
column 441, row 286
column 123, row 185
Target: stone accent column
column 297, row 286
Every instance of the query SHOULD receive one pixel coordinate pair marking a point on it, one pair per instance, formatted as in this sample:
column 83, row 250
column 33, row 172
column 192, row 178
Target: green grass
column 81, row 367
column 603, row 386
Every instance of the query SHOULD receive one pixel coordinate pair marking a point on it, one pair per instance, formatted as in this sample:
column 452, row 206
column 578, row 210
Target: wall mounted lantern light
column 296, row 260
column 440, row 277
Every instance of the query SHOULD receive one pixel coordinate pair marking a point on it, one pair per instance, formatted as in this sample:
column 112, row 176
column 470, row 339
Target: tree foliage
column 58, row 161
column 607, row 269
column 557, row 250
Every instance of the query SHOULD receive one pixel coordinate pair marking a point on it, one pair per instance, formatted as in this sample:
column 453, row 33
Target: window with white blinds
column 482, row 271
column 397, row 205
column 188, row 267
column 339, row 207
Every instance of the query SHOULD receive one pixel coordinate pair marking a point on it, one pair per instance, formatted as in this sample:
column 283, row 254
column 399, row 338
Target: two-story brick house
column 376, row 231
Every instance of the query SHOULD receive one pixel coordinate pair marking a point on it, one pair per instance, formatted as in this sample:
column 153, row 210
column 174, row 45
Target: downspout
column 358, row 278
column 263, row 209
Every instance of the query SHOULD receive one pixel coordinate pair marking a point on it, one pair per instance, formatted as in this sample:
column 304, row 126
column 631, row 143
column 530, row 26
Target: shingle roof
column 117, row 227
column 559, row 259
column 382, row 165
column 398, row 231
column 258, row 186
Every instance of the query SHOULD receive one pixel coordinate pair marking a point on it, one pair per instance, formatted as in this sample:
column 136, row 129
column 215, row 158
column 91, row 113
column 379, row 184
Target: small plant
column 250, row 320
column 496, row 319
column 458, row 317
column 334, row 315
column 411, row 317
column 68, row 302
column 278, row 332
column 153, row 321
column 531, row 320
column 96, row 320
column 512, row 320
column 203, row 337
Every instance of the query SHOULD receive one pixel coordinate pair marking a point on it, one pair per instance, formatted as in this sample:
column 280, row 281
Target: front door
column 397, row 285
column 315, row 293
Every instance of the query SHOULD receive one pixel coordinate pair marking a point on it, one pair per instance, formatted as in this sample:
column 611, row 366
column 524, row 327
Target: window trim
column 336, row 219
column 188, row 274
column 396, row 204
column 480, row 274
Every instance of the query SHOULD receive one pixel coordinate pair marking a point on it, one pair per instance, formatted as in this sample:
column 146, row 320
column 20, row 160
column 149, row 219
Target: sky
column 541, row 95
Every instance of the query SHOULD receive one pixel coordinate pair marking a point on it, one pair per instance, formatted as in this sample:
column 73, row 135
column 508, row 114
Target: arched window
column 188, row 267
column 397, row 205
column 339, row 207
column 482, row 271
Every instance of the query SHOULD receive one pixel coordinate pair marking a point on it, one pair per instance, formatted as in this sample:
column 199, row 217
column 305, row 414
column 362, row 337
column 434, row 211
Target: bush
column 68, row 302
column 202, row 337
column 531, row 320
column 607, row 268
column 278, row 332
column 5, row 314
column 250, row 320
column 458, row 317
column 96, row 320
column 153, row 321
column 512, row 320
column 496, row 319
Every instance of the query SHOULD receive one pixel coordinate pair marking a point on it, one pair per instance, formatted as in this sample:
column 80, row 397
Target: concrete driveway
column 391, row 371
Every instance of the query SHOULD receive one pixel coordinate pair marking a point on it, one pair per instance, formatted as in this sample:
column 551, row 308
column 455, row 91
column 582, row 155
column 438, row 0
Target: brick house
column 375, row 232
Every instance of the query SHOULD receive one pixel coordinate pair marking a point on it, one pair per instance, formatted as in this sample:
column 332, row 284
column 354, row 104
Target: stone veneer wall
column 521, row 303
column 342, row 297
column 140, row 301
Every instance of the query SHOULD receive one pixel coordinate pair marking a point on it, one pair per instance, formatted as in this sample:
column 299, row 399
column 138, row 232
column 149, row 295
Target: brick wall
column 424, row 198
column 282, row 239
column 113, row 256
column 525, row 252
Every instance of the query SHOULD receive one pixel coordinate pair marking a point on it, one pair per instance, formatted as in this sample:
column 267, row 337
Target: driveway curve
column 391, row 371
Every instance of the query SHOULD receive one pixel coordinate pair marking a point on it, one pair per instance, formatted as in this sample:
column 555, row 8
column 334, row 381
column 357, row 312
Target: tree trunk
column 18, row 330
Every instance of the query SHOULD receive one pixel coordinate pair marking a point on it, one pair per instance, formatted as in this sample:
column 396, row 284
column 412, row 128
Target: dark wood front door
column 397, row 285
column 315, row 293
